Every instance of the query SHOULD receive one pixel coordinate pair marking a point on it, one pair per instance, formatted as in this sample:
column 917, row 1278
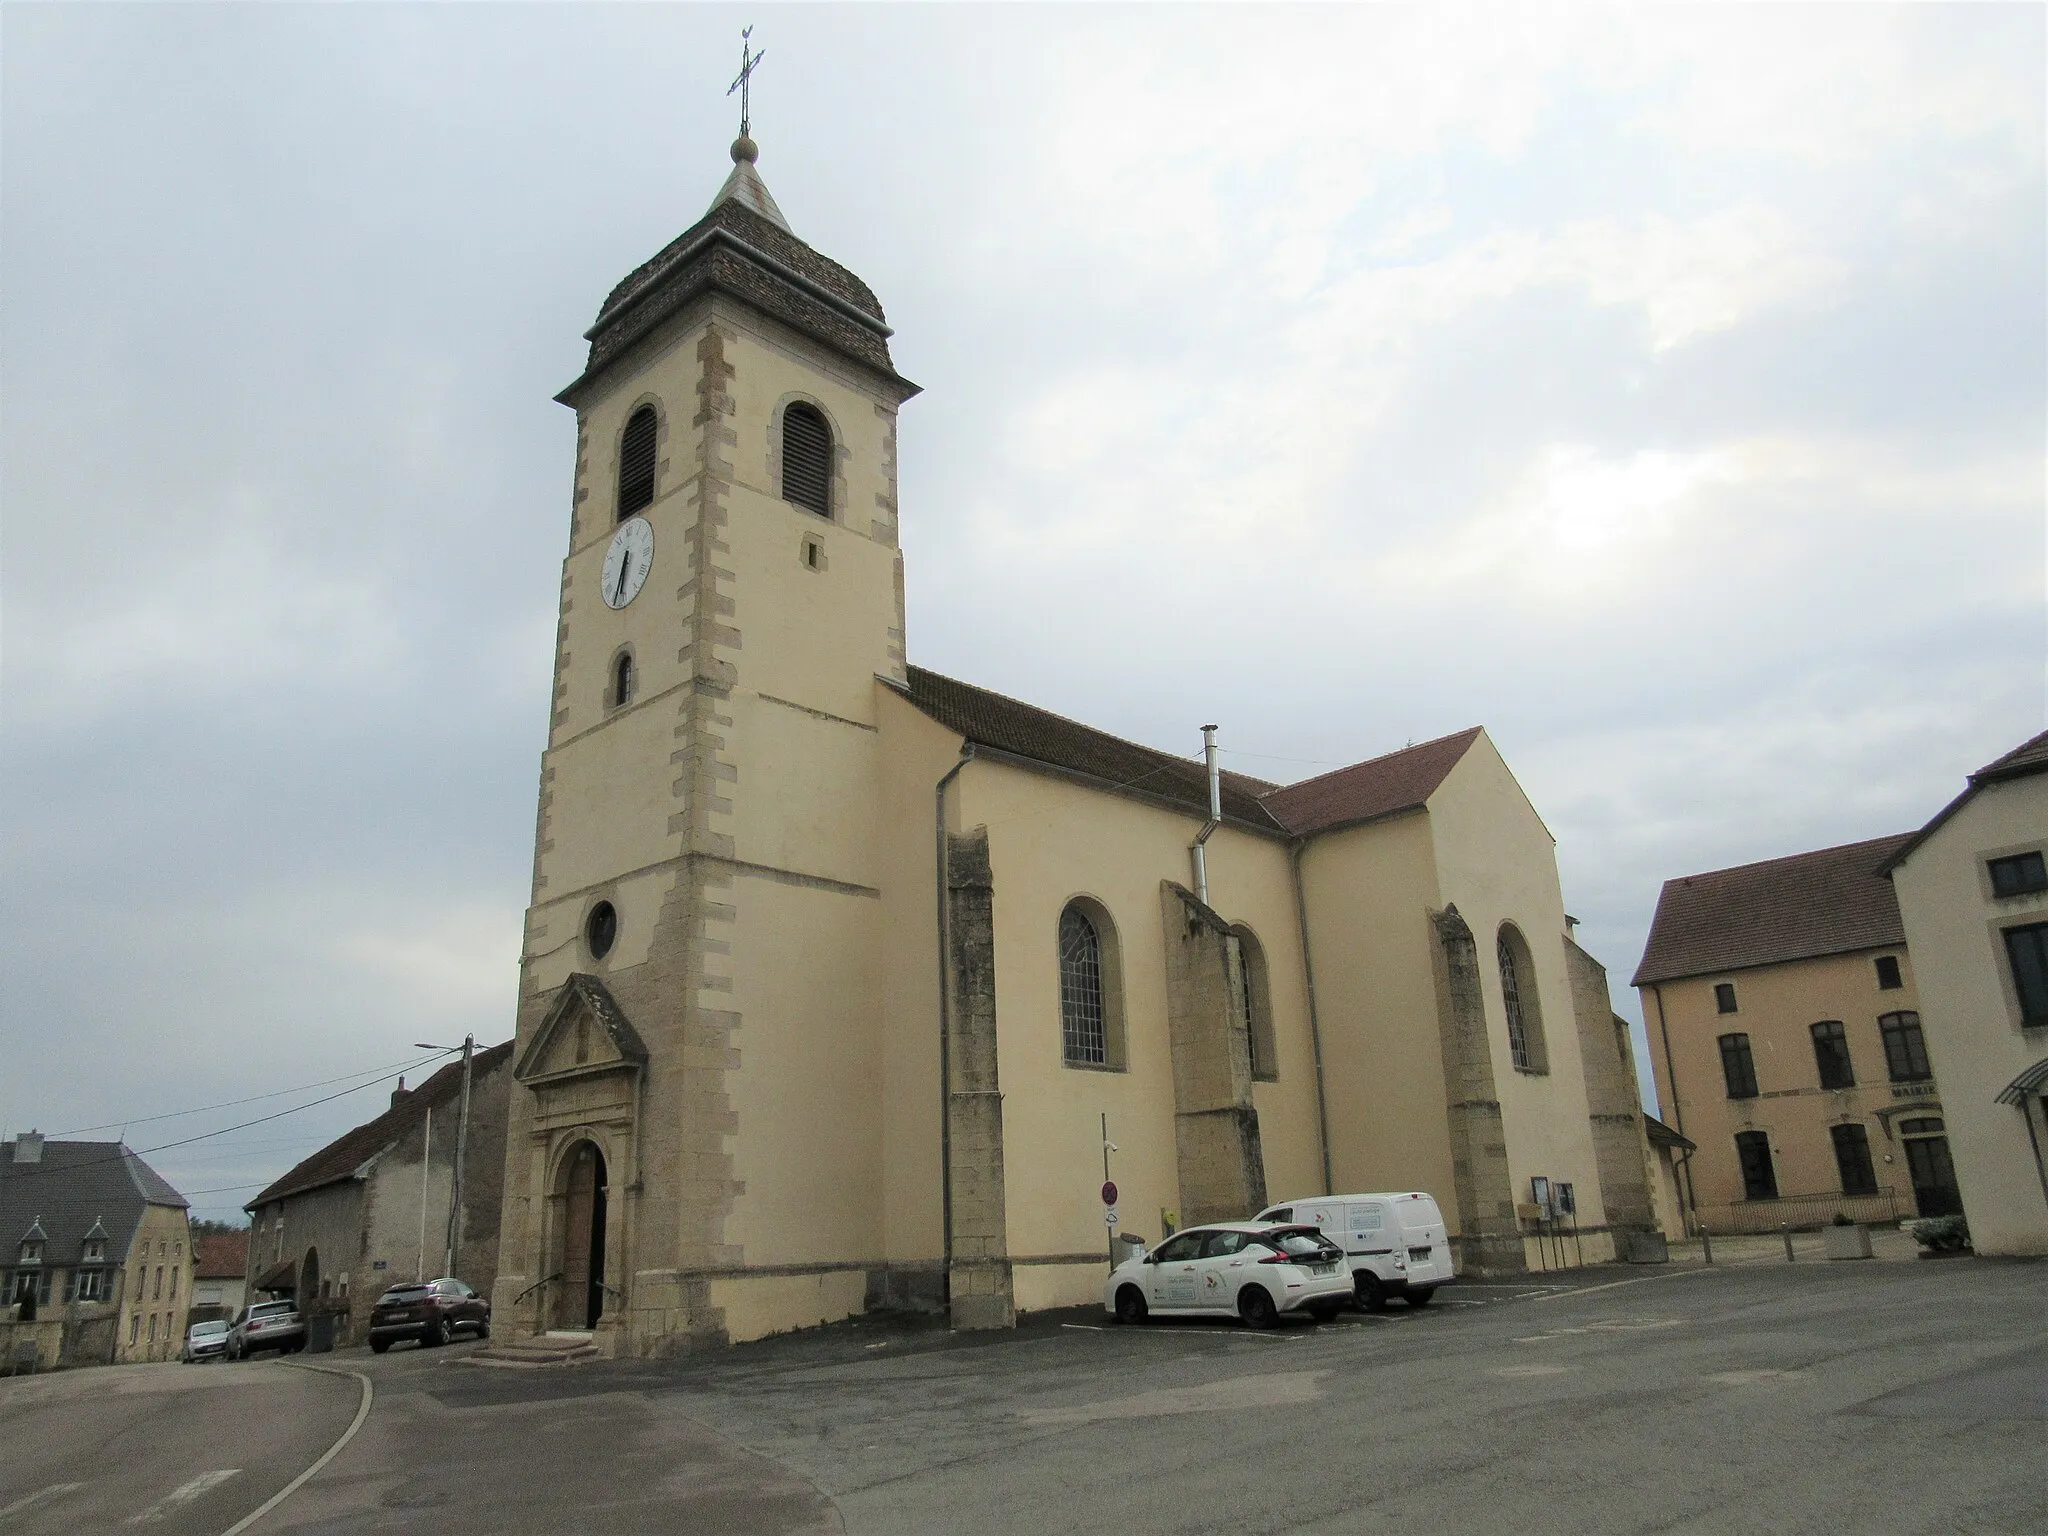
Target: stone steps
column 535, row 1353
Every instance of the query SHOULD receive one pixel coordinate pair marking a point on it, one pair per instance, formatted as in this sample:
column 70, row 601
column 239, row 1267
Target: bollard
column 1706, row 1245
column 1785, row 1231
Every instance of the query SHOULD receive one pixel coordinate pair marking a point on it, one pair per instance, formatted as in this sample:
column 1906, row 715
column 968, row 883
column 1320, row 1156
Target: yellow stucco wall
column 1776, row 1006
column 1975, row 1036
column 1496, row 862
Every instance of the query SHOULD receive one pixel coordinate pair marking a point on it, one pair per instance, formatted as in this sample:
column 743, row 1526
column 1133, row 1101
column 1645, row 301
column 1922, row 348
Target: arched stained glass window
column 1083, row 1038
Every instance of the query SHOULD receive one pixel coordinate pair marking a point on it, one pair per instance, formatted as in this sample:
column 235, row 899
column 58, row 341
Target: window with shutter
column 807, row 458
column 636, row 462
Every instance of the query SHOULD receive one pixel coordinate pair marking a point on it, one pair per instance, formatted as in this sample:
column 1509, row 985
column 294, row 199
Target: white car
column 1254, row 1270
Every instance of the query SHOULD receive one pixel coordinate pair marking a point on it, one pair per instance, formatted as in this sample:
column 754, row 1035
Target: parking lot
column 1757, row 1396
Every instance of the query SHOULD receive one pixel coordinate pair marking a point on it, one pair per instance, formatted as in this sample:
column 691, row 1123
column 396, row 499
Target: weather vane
column 746, row 75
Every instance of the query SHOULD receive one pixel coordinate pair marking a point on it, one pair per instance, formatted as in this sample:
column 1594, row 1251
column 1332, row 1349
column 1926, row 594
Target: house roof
column 1367, row 791
column 1008, row 726
column 743, row 246
column 221, row 1255
column 72, row 1188
column 340, row 1158
column 2028, row 758
column 1829, row 902
column 1661, row 1135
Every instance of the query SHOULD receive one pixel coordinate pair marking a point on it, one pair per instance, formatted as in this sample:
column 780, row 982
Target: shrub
column 1942, row 1234
column 1842, row 1219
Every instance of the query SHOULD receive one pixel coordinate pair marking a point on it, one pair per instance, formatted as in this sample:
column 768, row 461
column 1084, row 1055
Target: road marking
column 1613, row 1325
column 1239, row 1392
column 182, row 1495
column 334, row 1450
column 1532, row 1370
column 40, row 1496
column 1754, row 1378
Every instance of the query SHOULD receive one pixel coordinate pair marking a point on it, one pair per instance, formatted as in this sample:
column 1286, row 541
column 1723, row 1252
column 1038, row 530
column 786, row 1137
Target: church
column 849, row 985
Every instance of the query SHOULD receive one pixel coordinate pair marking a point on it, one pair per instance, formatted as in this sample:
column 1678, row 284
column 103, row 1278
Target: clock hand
column 625, row 566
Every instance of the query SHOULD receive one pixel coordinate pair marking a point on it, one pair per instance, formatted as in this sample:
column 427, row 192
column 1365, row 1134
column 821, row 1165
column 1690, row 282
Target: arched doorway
column 579, row 1299
column 309, row 1279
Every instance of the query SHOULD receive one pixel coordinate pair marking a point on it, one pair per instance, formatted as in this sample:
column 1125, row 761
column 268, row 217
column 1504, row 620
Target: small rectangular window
column 1831, row 1055
column 2026, row 950
column 1759, row 1179
column 2020, row 875
column 1905, row 1049
column 1888, row 979
column 1724, row 996
column 1738, row 1066
column 1852, row 1159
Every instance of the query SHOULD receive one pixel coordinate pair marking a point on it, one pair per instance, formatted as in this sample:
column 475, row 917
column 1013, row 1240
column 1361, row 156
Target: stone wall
column 1489, row 1239
column 979, row 1284
column 1216, row 1126
column 1620, row 1149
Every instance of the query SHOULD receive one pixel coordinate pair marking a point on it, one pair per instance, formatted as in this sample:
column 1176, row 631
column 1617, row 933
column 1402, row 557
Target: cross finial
column 746, row 75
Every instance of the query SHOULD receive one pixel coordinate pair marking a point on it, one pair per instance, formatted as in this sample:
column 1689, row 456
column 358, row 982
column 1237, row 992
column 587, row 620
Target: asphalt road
column 172, row 1450
column 1766, row 1397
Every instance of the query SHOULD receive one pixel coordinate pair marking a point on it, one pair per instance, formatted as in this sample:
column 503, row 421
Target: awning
column 279, row 1277
column 2029, row 1083
column 1661, row 1135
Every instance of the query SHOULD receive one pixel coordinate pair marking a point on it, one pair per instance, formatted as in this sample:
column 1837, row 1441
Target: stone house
column 95, row 1256
column 372, row 1206
column 1783, row 1011
column 842, row 978
column 1973, row 891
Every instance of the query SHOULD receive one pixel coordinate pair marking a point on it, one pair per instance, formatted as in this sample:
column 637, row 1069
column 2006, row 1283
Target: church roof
column 744, row 247
column 340, row 1158
column 1014, row 729
column 1832, row 901
column 2028, row 758
column 73, row 1188
column 1380, row 786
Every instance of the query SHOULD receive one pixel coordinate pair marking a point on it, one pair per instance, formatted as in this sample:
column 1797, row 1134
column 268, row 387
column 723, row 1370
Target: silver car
column 267, row 1325
column 205, row 1341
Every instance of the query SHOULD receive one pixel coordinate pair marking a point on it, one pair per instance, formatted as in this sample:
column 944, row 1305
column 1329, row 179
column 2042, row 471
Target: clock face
column 627, row 562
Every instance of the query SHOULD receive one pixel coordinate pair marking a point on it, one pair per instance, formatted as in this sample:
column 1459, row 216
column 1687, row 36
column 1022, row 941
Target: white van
column 1396, row 1245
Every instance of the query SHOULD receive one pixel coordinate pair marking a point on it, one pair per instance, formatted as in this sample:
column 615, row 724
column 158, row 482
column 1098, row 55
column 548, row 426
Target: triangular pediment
column 584, row 1033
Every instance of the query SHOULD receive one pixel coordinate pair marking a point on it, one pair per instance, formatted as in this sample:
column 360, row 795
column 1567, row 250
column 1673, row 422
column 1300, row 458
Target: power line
column 232, row 1103
column 34, row 1169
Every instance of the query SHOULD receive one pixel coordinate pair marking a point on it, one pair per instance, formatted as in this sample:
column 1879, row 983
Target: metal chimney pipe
column 1215, row 820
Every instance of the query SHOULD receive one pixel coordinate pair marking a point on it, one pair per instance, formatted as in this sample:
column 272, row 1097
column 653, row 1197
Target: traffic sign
column 1108, row 1192
column 1109, row 1217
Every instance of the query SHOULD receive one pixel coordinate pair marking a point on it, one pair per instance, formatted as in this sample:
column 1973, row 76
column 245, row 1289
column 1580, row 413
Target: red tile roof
column 1381, row 786
column 221, row 1255
column 1829, row 902
column 340, row 1158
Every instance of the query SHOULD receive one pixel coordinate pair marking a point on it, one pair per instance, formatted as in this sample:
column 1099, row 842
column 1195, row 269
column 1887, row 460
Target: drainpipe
column 1215, row 815
column 1315, row 1028
column 945, row 1022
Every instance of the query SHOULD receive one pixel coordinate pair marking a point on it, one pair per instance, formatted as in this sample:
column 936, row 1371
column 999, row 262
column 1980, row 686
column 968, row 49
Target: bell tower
column 695, row 1138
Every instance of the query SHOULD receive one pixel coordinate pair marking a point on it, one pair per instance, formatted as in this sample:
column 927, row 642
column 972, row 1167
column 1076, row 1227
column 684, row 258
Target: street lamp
column 468, row 1049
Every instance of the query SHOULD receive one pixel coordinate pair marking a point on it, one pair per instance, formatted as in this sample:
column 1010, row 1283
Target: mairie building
column 845, row 983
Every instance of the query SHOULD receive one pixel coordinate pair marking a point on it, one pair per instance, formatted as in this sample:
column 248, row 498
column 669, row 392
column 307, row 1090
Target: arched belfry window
column 807, row 458
column 1519, row 1000
column 636, row 462
column 622, row 680
column 1091, row 988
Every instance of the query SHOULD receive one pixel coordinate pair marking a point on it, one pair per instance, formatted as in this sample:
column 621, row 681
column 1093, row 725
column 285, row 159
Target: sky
column 1662, row 388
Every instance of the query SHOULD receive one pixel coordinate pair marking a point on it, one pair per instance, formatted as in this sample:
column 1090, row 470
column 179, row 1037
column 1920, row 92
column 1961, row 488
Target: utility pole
column 468, row 1049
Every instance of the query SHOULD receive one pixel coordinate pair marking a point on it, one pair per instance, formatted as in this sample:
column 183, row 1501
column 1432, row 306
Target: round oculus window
column 600, row 929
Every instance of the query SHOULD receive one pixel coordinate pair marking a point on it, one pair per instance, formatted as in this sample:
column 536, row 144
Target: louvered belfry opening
column 636, row 463
column 807, row 459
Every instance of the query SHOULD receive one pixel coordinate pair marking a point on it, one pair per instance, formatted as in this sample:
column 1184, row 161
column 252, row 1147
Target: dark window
column 1222, row 1245
column 1930, row 1125
column 1759, row 1179
column 1724, row 996
column 1852, row 1159
column 1254, row 1009
column 636, row 462
column 1888, row 978
column 1738, row 1066
column 622, row 680
column 2019, row 875
column 1083, row 1038
column 1511, row 996
column 1178, row 1250
column 1831, row 1054
column 1905, row 1051
column 1519, row 1001
column 600, row 929
column 2027, row 950
column 807, row 458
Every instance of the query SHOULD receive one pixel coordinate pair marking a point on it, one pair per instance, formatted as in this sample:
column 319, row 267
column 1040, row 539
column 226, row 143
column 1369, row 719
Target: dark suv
column 432, row 1311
